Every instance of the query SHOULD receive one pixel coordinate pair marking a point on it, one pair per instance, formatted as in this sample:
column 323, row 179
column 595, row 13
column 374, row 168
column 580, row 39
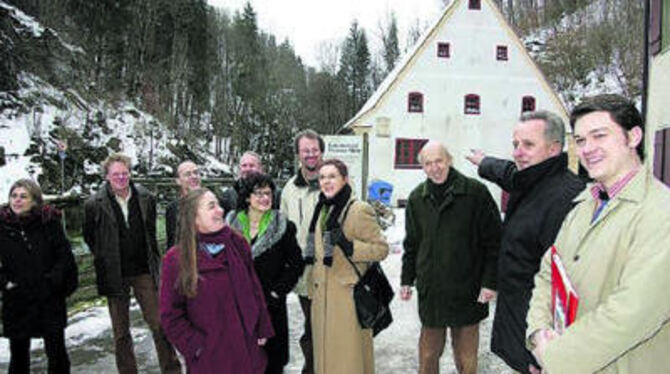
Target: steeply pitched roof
column 407, row 61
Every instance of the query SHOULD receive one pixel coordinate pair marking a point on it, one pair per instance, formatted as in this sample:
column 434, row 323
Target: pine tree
column 355, row 67
column 390, row 41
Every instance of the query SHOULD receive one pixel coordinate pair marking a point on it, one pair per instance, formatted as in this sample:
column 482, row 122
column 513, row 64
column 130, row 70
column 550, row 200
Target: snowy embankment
column 89, row 337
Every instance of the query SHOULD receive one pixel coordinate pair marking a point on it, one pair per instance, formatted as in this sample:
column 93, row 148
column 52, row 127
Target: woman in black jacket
column 37, row 273
column 277, row 256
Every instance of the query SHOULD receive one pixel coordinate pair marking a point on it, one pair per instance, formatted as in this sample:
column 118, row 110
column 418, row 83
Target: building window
column 407, row 153
column 443, row 50
column 415, row 102
column 475, row 4
column 527, row 104
column 501, row 53
column 472, row 104
column 662, row 155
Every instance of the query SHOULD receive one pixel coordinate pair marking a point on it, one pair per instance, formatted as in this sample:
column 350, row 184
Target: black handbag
column 372, row 296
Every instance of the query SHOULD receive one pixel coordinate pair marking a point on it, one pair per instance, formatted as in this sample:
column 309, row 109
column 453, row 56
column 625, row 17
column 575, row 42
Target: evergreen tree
column 355, row 67
column 390, row 41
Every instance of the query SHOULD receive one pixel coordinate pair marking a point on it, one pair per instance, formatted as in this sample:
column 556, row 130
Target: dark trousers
column 54, row 346
column 464, row 342
column 306, row 338
column 146, row 294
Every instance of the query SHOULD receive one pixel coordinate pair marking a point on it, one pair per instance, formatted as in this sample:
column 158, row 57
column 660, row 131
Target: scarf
column 247, row 299
column 44, row 214
column 270, row 230
column 331, row 209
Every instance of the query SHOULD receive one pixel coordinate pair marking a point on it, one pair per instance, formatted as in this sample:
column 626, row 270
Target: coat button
column 576, row 258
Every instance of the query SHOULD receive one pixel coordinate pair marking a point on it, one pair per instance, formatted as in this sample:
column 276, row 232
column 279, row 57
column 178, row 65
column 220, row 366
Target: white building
column 465, row 83
column 657, row 145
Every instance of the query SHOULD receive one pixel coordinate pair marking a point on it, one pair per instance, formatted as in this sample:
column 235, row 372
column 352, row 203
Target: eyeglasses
column 260, row 194
column 120, row 175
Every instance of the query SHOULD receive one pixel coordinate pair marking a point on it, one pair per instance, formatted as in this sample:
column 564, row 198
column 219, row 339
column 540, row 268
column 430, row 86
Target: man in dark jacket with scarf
column 120, row 230
column 541, row 190
column 451, row 245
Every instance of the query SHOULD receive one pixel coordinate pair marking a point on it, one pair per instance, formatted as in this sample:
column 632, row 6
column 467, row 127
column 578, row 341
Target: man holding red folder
column 615, row 247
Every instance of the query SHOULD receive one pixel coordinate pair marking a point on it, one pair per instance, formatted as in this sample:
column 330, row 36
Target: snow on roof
column 399, row 67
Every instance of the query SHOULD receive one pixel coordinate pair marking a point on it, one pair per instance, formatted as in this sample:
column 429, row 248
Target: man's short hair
column 254, row 155
column 621, row 110
column 115, row 157
column 309, row 134
column 176, row 170
column 554, row 128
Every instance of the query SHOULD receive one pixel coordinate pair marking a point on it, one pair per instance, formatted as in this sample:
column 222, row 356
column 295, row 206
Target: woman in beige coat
column 341, row 226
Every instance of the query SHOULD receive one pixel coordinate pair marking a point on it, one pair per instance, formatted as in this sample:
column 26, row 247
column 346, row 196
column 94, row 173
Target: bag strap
column 344, row 216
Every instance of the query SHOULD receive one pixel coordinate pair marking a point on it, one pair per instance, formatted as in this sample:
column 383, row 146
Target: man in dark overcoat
column 541, row 191
column 120, row 230
column 451, row 246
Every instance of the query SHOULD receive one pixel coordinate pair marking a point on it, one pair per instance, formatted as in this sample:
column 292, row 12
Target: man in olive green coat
column 453, row 232
column 615, row 247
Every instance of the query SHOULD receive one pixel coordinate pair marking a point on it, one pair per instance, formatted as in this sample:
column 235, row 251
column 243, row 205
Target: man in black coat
column 541, row 190
column 120, row 231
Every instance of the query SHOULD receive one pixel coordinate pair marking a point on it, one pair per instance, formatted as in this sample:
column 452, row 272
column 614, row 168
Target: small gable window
column 475, row 4
column 501, row 53
column 472, row 104
column 443, row 50
column 527, row 104
column 415, row 102
column 407, row 153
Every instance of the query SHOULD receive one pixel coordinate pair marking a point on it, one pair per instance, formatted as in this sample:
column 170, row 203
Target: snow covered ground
column 91, row 350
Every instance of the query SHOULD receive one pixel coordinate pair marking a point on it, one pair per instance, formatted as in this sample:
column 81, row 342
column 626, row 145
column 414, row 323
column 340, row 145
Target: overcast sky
column 308, row 23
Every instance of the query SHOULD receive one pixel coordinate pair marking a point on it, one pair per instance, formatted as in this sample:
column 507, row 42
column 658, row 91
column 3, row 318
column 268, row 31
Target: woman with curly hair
column 277, row 257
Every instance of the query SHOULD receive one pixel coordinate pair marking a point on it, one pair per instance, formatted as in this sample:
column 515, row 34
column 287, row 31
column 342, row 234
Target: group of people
column 218, row 295
column 611, row 235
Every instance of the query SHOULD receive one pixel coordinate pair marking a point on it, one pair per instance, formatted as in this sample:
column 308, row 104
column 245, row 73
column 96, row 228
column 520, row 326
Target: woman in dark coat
column 211, row 303
column 277, row 257
column 37, row 273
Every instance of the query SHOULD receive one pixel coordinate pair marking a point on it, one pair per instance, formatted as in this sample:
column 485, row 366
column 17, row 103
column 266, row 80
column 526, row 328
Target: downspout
column 645, row 64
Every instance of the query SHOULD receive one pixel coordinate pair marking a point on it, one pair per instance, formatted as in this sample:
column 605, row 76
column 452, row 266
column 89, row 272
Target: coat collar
column 458, row 187
column 527, row 178
column 634, row 191
column 105, row 198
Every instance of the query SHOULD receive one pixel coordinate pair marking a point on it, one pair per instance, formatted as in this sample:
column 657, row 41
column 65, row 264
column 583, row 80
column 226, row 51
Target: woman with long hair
column 37, row 273
column 211, row 302
column 341, row 227
column 276, row 253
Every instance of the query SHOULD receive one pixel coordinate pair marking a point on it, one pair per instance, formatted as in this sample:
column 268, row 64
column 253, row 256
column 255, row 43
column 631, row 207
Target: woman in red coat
column 211, row 302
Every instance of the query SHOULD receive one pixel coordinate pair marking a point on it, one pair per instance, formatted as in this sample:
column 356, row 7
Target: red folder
column 564, row 297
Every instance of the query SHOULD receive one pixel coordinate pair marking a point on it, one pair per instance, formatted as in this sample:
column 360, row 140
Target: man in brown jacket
column 120, row 230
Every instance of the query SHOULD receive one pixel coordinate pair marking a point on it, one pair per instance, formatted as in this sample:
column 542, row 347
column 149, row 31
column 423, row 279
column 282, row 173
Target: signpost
column 350, row 150
column 62, row 147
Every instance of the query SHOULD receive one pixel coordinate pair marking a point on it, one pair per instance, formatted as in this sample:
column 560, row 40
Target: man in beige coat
column 298, row 200
column 615, row 246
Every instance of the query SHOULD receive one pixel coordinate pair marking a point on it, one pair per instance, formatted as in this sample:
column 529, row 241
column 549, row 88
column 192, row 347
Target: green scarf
column 243, row 218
